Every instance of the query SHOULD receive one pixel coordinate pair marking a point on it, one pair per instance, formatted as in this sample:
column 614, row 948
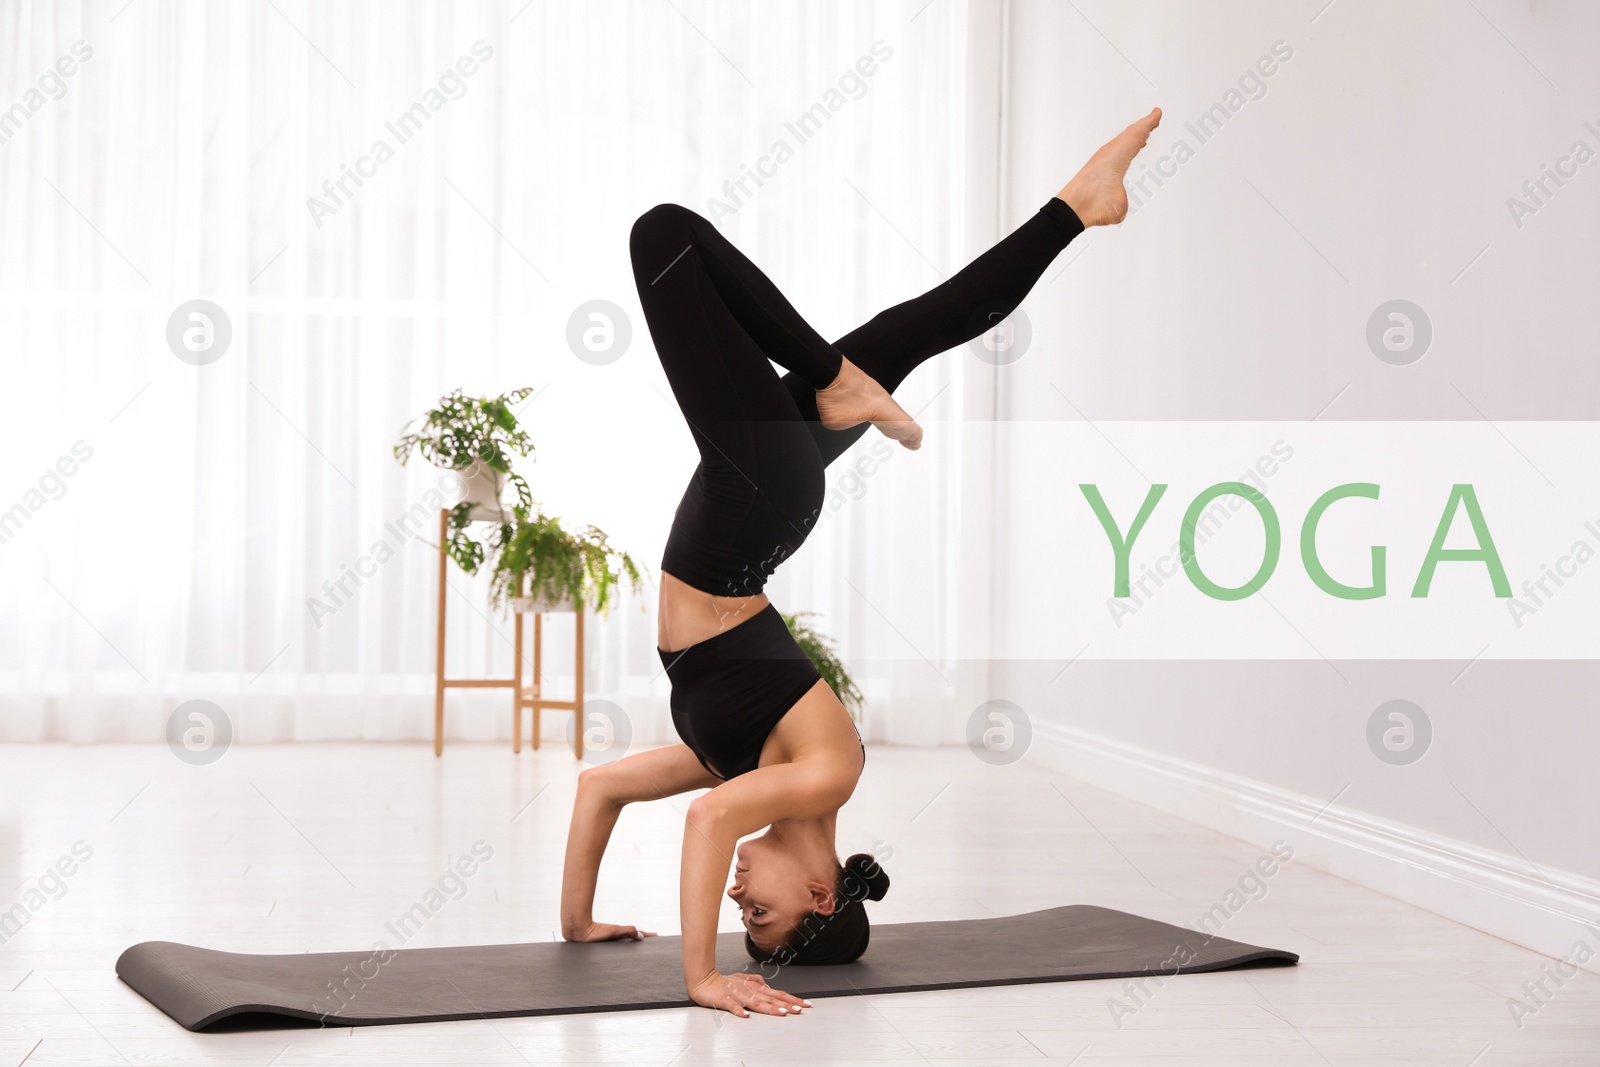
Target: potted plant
column 820, row 648
column 475, row 436
column 541, row 566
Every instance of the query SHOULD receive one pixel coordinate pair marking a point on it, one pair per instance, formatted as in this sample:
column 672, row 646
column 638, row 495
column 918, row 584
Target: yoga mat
column 199, row 987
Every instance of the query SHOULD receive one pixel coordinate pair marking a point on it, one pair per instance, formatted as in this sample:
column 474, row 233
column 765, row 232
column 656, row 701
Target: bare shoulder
column 809, row 768
column 818, row 732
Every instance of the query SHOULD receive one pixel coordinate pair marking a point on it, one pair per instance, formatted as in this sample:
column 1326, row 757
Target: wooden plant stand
column 530, row 696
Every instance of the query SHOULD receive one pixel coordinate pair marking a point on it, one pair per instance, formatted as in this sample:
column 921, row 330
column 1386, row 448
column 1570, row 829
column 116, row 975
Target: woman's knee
column 663, row 222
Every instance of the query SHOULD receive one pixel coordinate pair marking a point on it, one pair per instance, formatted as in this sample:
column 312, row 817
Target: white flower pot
column 481, row 486
column 528, row 605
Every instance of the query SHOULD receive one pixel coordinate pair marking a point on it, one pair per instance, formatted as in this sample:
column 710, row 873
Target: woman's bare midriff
column 686, row 616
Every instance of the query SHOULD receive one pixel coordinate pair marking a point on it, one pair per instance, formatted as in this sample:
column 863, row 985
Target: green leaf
column 820, row 650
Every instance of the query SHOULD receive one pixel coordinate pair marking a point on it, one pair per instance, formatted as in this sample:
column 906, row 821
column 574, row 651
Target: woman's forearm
column 594, row 814
column 603, row 792
column 740, row 806
column 708, row 841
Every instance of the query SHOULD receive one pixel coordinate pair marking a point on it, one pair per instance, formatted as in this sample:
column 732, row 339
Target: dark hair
column 840, row 937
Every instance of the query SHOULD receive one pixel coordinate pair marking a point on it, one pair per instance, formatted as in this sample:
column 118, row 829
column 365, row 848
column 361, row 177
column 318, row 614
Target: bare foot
column 1095, row 193
column 855, row 397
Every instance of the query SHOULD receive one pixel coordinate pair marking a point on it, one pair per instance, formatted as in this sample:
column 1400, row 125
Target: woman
column 761, row 729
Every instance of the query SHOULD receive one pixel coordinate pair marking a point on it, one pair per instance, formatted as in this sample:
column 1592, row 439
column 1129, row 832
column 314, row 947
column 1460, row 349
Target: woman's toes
column 908, row 434
column 1096, row 193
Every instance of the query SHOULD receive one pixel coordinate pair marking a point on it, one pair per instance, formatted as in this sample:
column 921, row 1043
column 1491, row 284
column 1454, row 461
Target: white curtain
column 172, row 531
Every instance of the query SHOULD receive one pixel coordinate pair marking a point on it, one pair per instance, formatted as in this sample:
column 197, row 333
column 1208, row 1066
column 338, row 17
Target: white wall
column 1376, row 165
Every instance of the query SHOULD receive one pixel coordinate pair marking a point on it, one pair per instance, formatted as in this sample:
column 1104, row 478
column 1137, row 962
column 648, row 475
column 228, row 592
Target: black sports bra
column 730, row 690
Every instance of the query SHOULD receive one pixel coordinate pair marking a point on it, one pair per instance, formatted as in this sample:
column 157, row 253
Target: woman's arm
column 602, row 793
column 805, row 789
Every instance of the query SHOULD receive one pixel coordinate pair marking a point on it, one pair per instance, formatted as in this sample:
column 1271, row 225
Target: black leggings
column 717, row 320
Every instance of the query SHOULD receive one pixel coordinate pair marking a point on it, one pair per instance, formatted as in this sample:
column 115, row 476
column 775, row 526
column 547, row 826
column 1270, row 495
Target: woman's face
column 774, row 890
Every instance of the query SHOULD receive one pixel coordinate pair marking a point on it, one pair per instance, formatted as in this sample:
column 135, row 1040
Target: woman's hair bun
column 865, row 866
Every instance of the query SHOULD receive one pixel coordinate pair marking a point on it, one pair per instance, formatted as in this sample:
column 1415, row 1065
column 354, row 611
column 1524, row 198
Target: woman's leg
column 667, row 235
column 893, row 343
column 897, row 340
column 716, row 320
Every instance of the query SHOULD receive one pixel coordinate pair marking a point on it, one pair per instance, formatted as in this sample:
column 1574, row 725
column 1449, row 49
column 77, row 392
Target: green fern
column 463, row 430
column 820, row 648
column 534, row 556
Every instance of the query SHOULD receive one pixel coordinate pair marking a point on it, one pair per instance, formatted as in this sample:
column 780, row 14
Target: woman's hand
column 602, row 792
column 743, row 993
column 607, row 932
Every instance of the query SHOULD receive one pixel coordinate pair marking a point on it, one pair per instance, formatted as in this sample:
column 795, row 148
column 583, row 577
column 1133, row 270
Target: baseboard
column 1548, row 911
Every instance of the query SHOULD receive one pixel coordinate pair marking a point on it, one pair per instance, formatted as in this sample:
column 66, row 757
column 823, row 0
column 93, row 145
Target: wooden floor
column 315, row 847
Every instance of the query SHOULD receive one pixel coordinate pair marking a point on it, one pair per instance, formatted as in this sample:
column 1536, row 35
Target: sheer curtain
column 388, row 202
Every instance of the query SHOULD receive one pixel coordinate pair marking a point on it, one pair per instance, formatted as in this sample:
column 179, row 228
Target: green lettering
column 1308, row 546
column 1485, row 552
column 1269, row 558
column 1121, row 548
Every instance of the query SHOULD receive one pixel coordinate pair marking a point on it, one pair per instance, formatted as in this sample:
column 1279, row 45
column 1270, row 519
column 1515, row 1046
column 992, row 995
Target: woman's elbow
column 708, row 815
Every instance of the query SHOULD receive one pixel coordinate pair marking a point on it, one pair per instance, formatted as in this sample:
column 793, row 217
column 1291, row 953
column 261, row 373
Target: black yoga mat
column 199, row 987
